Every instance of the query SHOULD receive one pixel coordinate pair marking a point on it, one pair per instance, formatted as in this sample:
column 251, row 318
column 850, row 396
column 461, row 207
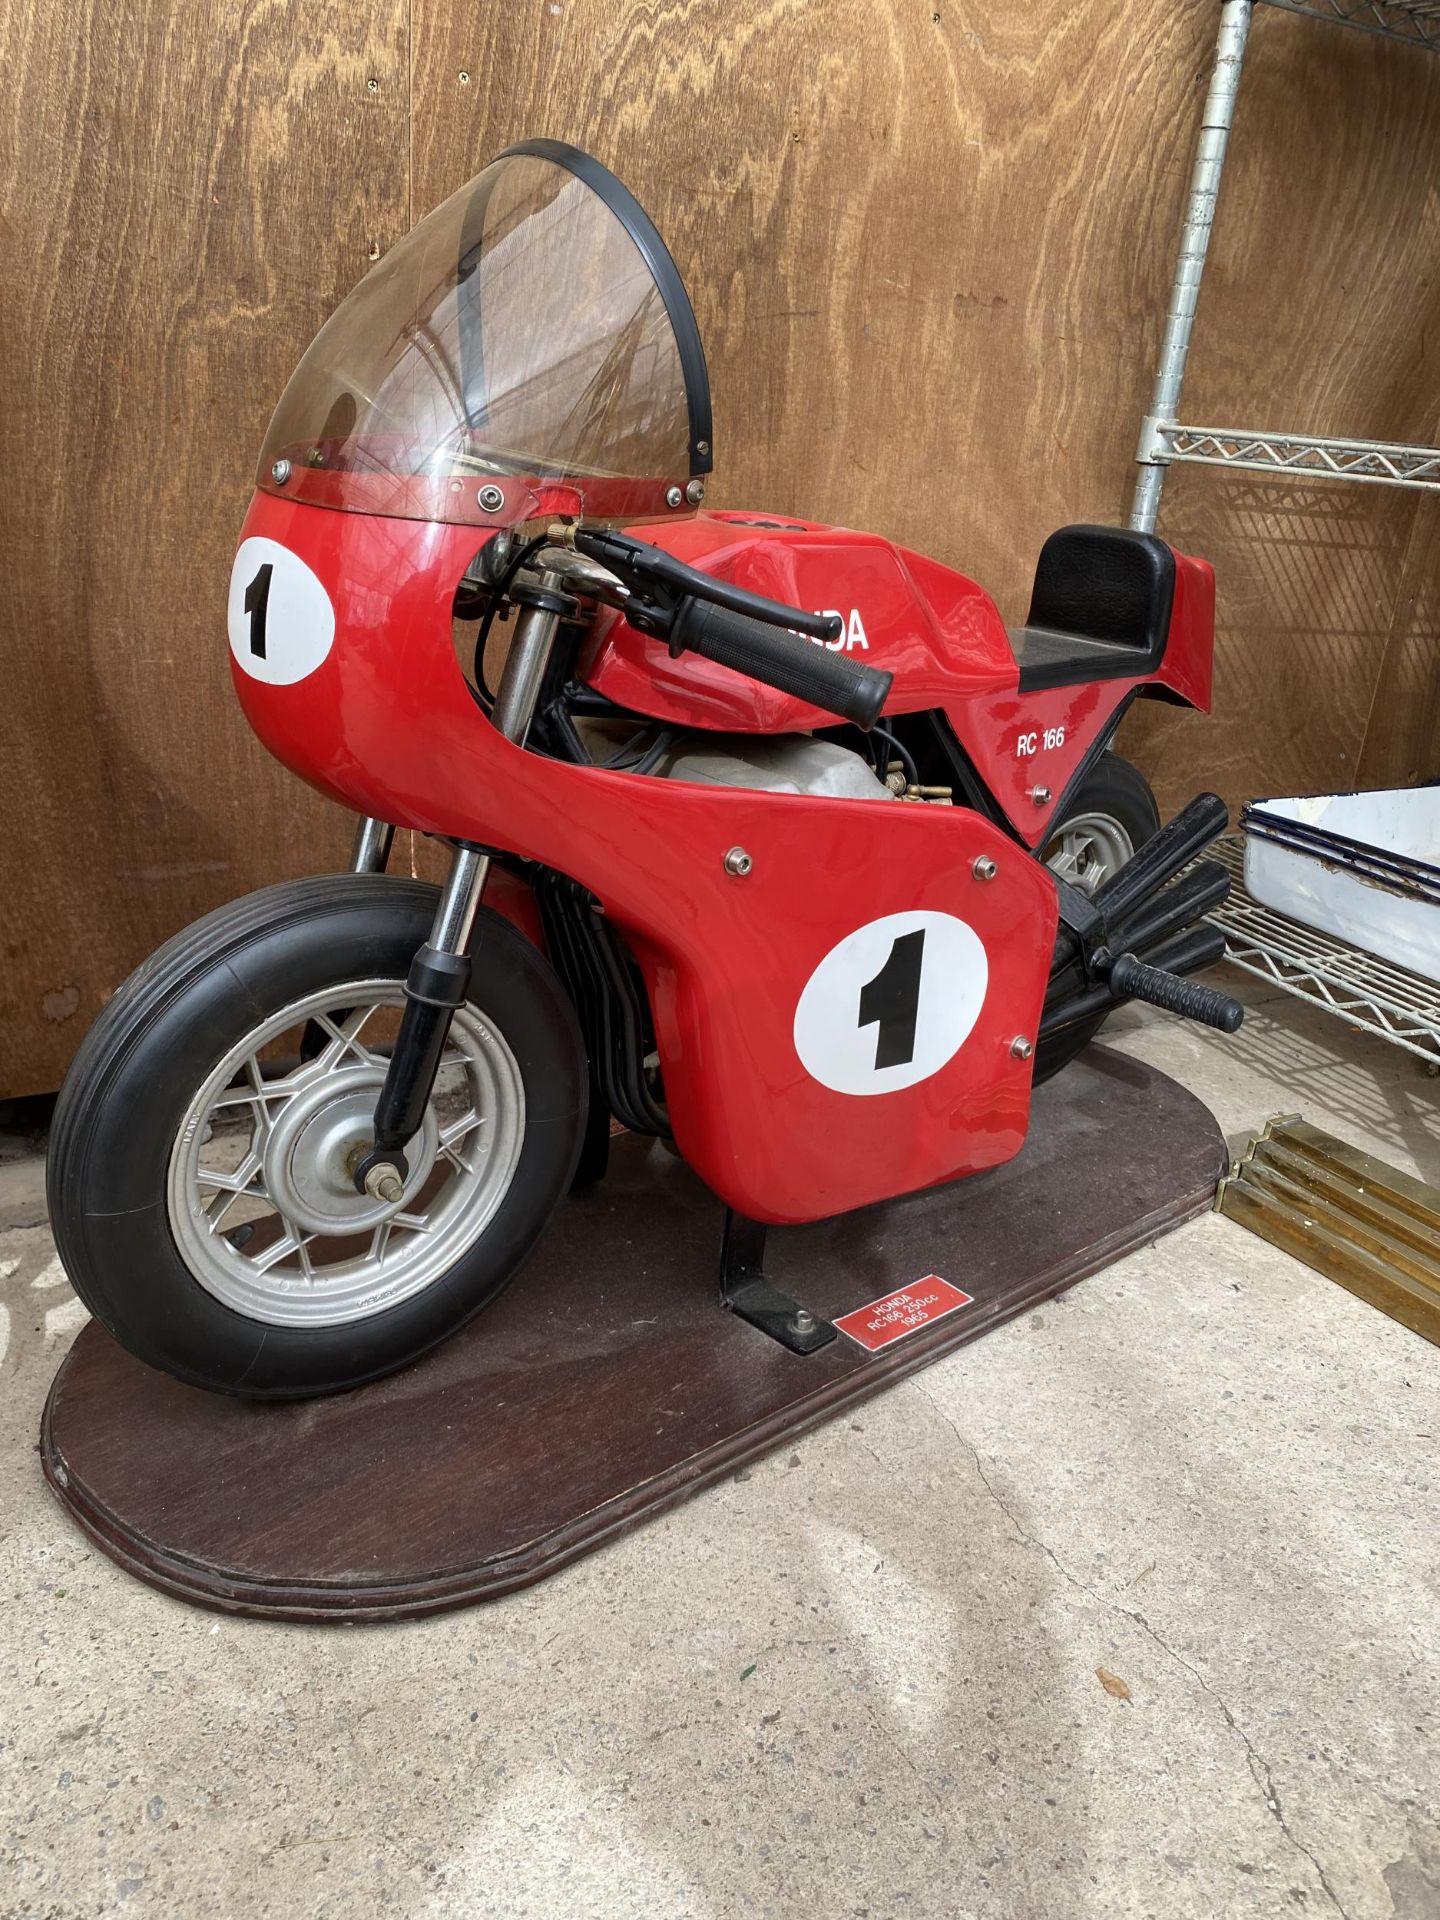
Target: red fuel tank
column 937, row 632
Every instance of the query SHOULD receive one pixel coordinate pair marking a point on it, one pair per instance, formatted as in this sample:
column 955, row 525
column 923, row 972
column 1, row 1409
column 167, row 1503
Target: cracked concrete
column 1259, row 1767
column 864, row 1677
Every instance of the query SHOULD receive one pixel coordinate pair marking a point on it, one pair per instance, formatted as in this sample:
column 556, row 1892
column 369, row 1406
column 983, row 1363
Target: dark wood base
column 605, row 1385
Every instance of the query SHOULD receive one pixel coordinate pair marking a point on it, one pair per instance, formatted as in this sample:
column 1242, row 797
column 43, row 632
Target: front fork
column 371, row 851
column 440, row 972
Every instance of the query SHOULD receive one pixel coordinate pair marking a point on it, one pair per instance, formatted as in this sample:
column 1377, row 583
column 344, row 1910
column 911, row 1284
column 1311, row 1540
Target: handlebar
column 697, row 613
column 625, row 554
column 844, row 687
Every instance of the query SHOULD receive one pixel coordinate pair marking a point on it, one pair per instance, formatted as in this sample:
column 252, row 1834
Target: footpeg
column 1167, row 963
column 1131, row 979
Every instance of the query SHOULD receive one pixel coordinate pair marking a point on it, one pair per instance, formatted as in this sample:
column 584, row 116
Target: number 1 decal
column 892, row 1001
column 280, row 617
column 256, row 596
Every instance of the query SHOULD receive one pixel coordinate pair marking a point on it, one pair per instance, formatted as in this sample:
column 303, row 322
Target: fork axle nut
column 382, row 1182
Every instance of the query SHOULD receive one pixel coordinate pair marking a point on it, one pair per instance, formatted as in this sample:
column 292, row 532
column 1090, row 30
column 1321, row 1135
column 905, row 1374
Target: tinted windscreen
column 516, row 336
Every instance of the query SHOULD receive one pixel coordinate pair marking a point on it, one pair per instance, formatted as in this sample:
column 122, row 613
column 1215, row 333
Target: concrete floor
column 1129, row 1609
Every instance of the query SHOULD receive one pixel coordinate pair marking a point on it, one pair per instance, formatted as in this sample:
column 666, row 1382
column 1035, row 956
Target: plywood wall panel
column 187, row 192
column 1311, row 574
column 1322, row 296
column 909, row 231
column 929, row 245
column 1319, row 314
column 1402, row 736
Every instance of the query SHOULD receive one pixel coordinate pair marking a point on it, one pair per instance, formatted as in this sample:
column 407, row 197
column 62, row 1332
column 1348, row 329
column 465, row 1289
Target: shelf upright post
column 1153, row 453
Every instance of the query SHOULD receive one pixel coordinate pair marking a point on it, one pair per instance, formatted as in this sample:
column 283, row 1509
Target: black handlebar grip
column 1131, row 977
column 783, row 660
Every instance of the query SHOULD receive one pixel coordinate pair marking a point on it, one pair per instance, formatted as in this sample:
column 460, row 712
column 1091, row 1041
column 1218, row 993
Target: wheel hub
column 313, row 1148
column 1088, row 849
column 261, row 1195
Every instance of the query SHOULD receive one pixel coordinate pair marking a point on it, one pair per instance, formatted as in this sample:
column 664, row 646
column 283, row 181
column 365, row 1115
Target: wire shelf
column 1382, row 463
column 1371, row 994
column 1414, row 21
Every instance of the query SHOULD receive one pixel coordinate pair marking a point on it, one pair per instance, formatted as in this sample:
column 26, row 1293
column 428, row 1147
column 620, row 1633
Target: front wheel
column 201, row 1168
column 1111, row 815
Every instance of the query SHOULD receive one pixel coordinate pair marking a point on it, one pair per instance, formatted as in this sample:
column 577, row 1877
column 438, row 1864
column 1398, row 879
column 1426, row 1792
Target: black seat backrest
column 1108, row 584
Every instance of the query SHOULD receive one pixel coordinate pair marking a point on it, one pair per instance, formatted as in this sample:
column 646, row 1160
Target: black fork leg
column 440, row 972
column 438, row 979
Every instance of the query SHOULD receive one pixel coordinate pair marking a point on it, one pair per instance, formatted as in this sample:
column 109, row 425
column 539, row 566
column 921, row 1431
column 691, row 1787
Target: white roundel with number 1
column 892, row 1003
column 281, row 621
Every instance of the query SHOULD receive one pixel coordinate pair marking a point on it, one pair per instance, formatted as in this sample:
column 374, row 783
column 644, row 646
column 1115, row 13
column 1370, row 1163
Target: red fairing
column 1027, row 747
column 740, row 970
column 939, row 633
column 506, row 893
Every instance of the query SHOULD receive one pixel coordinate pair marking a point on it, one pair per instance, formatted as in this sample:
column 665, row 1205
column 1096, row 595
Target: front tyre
column 201, row 1166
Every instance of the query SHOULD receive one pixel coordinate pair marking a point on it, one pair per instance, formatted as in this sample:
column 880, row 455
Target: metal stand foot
column 746, row 1292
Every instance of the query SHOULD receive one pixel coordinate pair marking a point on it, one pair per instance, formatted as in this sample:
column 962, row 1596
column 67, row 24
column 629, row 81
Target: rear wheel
column 1109, row 817
column 201, row 1172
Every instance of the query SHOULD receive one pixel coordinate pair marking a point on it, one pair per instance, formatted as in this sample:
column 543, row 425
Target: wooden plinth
column 605, row 1385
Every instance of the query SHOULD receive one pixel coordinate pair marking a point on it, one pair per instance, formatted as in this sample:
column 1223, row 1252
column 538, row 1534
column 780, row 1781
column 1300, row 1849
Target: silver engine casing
column 779, row 763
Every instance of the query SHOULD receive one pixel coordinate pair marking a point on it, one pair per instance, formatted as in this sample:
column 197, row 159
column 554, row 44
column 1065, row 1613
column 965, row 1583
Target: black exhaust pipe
column 1145, row 872
column 1136, row 939
column 1160, row 859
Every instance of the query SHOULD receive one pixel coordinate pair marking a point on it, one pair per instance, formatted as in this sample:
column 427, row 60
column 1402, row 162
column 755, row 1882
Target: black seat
column 1099, row 610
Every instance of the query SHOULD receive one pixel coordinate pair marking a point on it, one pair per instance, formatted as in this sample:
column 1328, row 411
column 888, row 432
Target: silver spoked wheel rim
column 261, row 1195
column 1089, row 849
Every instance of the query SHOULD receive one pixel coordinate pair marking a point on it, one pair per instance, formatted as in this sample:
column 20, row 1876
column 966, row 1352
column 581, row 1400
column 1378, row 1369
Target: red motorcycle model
column 790, row 854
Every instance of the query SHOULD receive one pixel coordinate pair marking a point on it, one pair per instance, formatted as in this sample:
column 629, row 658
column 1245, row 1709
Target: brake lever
column 645, row 567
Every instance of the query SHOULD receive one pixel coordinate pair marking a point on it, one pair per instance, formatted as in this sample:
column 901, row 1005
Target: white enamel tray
column 1363, row 866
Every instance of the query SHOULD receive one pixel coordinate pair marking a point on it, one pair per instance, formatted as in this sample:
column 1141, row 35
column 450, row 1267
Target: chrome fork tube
column 371, row 851
column 525, row 665
column 459, row 900
column 514, row 709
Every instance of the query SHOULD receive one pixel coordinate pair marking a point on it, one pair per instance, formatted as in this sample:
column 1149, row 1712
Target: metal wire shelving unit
column 1164, row 440
column 1417, row 21
column 1368, row 993
column 1382, row 463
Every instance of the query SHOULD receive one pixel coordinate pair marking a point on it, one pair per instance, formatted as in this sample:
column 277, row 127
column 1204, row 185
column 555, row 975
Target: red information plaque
column 902, row 1312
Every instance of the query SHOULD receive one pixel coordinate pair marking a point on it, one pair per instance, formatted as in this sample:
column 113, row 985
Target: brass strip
column 1336, row 1226
column 1367, row 1226
column 1366, row 1205
column 1361, row 1169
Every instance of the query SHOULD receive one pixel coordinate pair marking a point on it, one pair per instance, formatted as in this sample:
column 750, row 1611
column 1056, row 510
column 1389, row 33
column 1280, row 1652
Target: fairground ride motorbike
column 790, row 854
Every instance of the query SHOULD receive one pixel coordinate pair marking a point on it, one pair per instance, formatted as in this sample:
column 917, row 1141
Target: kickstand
column 745, row 1291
